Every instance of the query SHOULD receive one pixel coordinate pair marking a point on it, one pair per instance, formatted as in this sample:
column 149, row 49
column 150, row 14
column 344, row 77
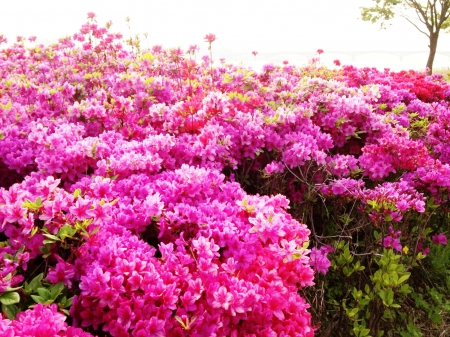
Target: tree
column 432, row 17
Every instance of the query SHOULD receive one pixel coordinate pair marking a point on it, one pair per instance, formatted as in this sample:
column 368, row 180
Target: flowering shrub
column 40, row 321
column 143, row 193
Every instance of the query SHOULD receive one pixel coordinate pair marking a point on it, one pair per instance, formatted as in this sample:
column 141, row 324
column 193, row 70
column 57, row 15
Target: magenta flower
column 439, row 239
column 274, row 167
column 392, row 242
column 319, row 259
column 63, row 272
column 222, row 298
column 81, row 209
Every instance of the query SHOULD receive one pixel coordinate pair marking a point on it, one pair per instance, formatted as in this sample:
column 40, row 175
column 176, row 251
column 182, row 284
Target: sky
column 279, row 30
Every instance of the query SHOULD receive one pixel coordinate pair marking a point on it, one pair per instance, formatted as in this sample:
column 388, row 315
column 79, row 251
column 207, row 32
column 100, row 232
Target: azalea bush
column 145, row 193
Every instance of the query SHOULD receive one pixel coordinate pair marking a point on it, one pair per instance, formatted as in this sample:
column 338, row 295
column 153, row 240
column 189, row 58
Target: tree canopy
column 429, row 17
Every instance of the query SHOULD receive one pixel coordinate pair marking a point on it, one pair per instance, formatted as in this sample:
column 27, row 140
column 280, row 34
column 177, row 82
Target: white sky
column 277, row 29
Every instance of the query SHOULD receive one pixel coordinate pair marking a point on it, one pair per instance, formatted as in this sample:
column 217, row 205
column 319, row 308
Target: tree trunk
column 433, row 46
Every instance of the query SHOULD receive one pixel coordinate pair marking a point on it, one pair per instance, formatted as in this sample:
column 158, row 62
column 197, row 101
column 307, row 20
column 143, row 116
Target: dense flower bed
column 147, row 194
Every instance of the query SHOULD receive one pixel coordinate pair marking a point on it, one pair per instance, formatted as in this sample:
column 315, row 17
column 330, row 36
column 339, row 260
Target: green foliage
column 383, row 11
column 64, row 242
column 436, row 13
column 33, row 292
column 375, row 291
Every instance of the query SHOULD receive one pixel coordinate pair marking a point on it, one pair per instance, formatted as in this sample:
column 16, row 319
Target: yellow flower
column 405, row 249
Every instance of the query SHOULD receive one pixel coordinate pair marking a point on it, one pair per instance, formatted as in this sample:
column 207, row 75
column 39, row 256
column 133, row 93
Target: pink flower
column 319, row 51
column 274, row 167
column 81, row 209
column 205, row 248
column 3, row 39
column 91, row 15
column 193, row 49
column 40, row 321
column 87, row 46
column 392, row 242
column 63, row 272
column 210, row 38
column 439, row 239
column 6, row 328
column 319, row 259
column 337, row 62
column 254, row 52
column 222, row 298
column 154, row 327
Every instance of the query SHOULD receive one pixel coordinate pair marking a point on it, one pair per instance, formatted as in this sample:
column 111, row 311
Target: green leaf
column 68, row 302
column 394, row 276
column 382, row 295
column 33, row 206
column 403, row 278
column 364, row 332
column 51, row 237
column 77, row 193
column 38, row 299
column 56, row 290
column 65, row 311
column 352, row 312
column 8, row 257
column 10, row 311
column 6, row 106
column 389, row 296
column 95, row 230
column 66, row 231
column 9, row 298
column 33, row 231
column 148, row 56
column 228, row 79
column 45, row 293
column 35, row 283
column 12, row 289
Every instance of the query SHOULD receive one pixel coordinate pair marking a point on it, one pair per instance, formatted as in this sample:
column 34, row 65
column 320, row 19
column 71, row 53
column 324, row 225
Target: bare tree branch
column 420, row 13
column 420, row 30
column 436, row 19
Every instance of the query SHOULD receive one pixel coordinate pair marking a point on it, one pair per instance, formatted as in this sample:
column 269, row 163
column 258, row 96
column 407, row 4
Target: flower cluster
column 168, row 196
column 39, row 321
column 224, row 257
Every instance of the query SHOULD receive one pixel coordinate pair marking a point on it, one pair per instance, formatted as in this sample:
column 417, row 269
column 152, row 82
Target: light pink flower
column 210, row 38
